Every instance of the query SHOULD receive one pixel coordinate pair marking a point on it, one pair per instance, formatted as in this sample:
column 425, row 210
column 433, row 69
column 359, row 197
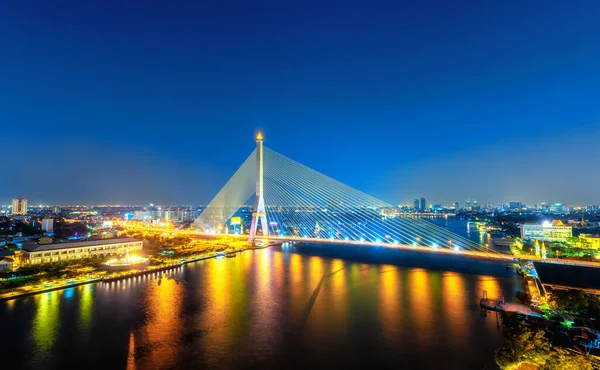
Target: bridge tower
column 259, row 212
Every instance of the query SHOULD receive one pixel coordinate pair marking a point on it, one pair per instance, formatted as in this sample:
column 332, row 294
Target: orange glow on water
column 164, row 325
column 454, row 304
column 335, row 292
column 491, row 285
column 315, row 268
column 421, row 302
column 131, row 352
column 389, row 299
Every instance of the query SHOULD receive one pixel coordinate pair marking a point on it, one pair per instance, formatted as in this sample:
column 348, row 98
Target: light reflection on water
column 45, row 323
column 263, row 308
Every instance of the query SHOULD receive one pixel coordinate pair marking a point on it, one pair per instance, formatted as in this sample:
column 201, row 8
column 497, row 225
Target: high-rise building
column 456, row 207
column 416, row 204
column 19, row 206
column 558, row 208
column 423, row 205
column 48, row 225
column 516, row 205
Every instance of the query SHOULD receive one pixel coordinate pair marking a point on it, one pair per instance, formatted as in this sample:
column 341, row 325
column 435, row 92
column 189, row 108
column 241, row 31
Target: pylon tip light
column 259, row 137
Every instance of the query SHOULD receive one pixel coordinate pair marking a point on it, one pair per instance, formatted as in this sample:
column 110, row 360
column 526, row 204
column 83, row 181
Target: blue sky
column 146, row 101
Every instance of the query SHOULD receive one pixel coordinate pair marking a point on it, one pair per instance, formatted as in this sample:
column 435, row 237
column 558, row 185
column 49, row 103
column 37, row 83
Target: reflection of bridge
column 293, row 202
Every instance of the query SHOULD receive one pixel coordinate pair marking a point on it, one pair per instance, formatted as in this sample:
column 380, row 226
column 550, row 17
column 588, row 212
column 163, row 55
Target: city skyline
column 131, row 105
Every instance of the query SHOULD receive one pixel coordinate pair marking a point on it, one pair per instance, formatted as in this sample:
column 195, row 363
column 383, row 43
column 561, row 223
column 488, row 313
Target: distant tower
column 423, row 205
column 259, row 212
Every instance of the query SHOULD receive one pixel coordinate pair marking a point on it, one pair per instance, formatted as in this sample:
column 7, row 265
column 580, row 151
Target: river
column 271, row 308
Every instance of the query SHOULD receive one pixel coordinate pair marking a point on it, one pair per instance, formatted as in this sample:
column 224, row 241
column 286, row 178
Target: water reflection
column 45, row 323
column 491, row 286
column 131, row 352
column 421, row 306
column 335, row 292
column 10, row 304
column 85, row 305
column 261, row 309
column 455, row 302
column 390, row 309
column 160, row 337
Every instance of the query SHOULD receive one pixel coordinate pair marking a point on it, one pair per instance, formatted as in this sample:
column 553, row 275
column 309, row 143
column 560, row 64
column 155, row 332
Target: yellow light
column 259, row 137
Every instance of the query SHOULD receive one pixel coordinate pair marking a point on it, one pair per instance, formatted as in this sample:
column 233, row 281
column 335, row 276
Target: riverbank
column 27, row 291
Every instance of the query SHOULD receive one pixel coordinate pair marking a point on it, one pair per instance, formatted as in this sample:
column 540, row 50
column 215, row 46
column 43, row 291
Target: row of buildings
column 45, row 251
column 554, row 231
column 185, row 215
column 557, row 231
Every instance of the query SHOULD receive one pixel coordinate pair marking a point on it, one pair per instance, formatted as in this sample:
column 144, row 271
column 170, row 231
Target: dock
column 499, row 305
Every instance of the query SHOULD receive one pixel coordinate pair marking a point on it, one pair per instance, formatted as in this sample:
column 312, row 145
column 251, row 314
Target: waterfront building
column 423, row 205
column 44, row 253
column 456, row 207
column 416, row 204
column 6, row 263
column 589, row 241
column 554, row 231
column 19, row 206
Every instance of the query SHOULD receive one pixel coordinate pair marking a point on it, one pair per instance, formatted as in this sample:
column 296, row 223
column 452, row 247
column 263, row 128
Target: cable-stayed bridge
column 292, row 202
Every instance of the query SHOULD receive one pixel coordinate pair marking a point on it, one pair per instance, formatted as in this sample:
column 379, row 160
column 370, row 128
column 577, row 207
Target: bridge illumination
column 297, row 200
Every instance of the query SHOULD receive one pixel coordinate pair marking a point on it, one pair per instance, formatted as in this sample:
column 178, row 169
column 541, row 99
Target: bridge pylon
column 259, row 213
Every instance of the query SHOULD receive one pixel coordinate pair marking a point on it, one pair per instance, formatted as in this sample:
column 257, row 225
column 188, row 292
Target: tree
column 522, row 346
column 562, row 359
column 523, row 297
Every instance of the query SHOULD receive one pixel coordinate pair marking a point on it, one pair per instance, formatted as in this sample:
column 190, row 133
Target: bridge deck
column 424, row 249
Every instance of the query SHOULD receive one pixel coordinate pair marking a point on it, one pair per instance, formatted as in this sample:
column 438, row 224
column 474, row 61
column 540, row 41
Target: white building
column 6, row 263
column 551, row 232
column 44, row 253
column 19, row 206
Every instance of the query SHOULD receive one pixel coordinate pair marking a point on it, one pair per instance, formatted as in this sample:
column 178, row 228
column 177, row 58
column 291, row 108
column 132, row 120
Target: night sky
column 142, row 101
